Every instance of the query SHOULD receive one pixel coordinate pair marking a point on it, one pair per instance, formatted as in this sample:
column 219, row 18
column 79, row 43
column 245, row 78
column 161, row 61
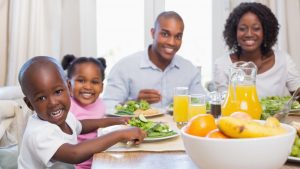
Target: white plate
column 293, row 159
column 294, row 110
column 148, row 139
column 118, row 127
column 160, row 112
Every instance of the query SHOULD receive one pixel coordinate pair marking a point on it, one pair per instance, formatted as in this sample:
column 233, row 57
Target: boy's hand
column 134, row 134
column 122, row 120
column 150, row 95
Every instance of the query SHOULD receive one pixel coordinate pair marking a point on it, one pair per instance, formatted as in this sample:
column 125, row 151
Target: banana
column 272, row 122
column 239, row 128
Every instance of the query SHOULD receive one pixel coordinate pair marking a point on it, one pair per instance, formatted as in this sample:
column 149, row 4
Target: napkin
column 171, row 144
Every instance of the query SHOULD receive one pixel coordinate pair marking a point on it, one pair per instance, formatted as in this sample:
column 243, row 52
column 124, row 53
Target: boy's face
column 47, row 94
column 86, row 83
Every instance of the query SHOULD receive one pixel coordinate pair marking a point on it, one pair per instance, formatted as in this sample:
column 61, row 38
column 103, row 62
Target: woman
column 250, row 33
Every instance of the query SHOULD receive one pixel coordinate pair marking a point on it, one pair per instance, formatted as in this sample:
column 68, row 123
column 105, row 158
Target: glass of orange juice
column 197, row 105
column 180, row 105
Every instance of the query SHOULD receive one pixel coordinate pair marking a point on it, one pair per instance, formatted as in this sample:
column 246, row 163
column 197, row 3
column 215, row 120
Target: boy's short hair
column 38, row 60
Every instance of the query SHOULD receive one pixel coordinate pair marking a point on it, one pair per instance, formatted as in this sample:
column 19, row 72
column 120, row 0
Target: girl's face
column 86, row 83
column 250, row 32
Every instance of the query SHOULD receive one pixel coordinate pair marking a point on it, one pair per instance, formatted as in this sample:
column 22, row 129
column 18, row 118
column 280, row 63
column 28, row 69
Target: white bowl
column 253, row 153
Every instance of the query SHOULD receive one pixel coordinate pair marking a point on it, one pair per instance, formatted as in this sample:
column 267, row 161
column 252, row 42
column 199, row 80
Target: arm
column 89, row 125
column 116, row 89
column 196, row 85
column 220, row 73
column 74, row 154
column 293, row 79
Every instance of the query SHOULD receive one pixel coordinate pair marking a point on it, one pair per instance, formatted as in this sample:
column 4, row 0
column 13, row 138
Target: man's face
column 47, row 94
column 167, row 37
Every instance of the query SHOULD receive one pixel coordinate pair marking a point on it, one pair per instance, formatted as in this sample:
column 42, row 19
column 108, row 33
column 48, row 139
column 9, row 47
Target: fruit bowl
column 247, row 153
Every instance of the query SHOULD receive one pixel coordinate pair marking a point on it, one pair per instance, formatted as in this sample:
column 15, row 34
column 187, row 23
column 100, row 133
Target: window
column 120, row 29
column 124, row 28
column 197, row 36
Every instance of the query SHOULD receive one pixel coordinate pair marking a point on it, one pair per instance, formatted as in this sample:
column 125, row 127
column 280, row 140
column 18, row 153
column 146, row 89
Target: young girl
column 85, row 81
column 50, row 137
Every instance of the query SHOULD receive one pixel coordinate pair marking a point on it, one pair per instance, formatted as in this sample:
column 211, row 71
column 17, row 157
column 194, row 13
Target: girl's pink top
column 95, row 110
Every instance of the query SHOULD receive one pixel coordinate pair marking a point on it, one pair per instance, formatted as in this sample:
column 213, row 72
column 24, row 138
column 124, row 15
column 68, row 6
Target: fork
column 281, row 115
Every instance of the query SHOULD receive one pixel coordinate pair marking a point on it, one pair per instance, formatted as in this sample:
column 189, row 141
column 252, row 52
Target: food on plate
column 273, row 104
column 201, row 125
column 135, row 108
column 296, row 125
column 296, row 147
column 240, row 128
column 153, row 129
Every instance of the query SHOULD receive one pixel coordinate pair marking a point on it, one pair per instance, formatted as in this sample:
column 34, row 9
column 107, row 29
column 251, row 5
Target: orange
column 201, row 124
column 216, row 133
column 241, row 115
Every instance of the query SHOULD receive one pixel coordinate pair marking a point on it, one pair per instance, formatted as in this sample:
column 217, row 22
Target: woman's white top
column 279, row 80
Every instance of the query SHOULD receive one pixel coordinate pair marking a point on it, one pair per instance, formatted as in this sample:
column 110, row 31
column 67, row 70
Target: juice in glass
column 196, row 109
column 197, row 105
column 180, row 105
column 244, row 99
column 180, row 108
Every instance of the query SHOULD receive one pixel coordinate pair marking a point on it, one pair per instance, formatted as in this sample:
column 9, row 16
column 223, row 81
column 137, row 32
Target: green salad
column 273, row 104
column 153, row 129
column 129, row 107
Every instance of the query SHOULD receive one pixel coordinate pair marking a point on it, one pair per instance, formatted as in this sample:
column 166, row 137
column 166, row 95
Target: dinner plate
column 149, row 139
column 160, row 112
column 293, row 159
column 109, row 129
column 295, row 110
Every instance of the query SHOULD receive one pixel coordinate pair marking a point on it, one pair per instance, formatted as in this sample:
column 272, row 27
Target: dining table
column 158, row 159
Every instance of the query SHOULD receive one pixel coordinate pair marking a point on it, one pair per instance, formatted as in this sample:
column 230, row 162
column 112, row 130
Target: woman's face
column 249, row 33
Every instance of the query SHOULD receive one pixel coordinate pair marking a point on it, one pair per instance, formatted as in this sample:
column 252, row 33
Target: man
column 152, row 74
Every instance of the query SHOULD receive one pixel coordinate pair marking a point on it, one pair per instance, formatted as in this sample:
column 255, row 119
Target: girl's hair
column 69, row 63
column 267, row 19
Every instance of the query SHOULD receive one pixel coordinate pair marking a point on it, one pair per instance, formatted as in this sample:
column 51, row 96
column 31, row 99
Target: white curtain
column 44, row 27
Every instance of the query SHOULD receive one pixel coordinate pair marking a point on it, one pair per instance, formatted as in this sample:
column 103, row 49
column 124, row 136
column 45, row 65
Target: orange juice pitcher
column 241, row 94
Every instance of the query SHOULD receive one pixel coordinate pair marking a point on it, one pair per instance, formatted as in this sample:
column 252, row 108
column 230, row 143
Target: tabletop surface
column 158, row 160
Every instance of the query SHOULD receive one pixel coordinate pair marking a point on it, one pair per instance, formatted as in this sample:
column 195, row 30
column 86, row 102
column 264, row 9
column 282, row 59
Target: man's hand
column 150, row 95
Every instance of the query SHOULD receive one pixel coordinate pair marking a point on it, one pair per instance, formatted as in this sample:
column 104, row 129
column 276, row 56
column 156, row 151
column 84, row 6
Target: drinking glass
column 180, row 105
column 197, row 105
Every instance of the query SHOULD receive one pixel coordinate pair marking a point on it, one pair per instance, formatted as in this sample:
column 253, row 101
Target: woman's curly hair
column 268, row 21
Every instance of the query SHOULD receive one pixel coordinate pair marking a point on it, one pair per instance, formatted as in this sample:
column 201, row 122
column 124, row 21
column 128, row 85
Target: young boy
column 50, row 138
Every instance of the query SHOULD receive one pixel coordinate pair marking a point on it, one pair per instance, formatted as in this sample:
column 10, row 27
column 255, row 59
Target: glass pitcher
column 241, row 94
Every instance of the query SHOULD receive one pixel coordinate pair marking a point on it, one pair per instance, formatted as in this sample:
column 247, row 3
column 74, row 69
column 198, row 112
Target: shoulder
column 183, row 62
column 222, row 60
column 282, row 57
column 132, row 58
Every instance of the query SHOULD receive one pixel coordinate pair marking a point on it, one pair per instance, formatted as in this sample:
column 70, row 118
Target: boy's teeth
column 56, row 113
